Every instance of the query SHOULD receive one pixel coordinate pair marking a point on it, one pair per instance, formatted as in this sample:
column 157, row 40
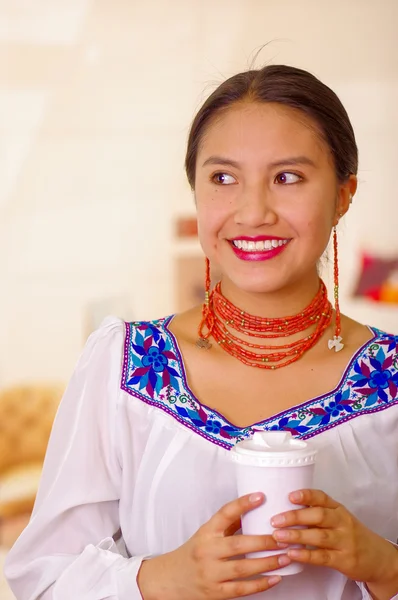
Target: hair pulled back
column 288, row 86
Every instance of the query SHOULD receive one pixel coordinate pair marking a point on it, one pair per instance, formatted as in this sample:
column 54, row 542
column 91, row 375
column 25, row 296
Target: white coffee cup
column 276, row 464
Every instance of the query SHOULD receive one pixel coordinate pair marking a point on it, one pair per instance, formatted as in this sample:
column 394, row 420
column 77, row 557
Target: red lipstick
column 256, row 238
column 257, row 255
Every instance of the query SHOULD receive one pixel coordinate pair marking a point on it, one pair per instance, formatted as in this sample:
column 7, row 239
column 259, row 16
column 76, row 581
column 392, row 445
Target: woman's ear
column 346, row 192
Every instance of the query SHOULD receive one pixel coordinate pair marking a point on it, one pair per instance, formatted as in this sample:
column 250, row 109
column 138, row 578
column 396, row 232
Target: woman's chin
column 251, row 285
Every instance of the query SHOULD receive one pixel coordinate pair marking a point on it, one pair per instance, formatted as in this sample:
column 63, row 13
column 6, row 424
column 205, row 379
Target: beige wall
column 95, row 102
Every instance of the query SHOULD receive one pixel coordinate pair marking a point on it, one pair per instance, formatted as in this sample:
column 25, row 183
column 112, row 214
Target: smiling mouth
column 259, row 245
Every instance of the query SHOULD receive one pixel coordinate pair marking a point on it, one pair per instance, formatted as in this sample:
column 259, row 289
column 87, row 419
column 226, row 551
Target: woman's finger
column 228, row 514
column 318, row 516
column 239, row 589
column 321, row 538
column 250, row 567
column 243, row 544
column 322, row 557
column 313, row 498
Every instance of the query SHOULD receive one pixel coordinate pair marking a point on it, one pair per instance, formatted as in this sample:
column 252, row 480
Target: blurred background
column 96, row 217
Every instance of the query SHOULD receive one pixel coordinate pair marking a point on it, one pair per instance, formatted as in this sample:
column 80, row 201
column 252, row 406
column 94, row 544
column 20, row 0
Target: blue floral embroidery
column 155, row 359
column 381, row 383
column 316, row 416
column 151, row 359
column 154, row 372
column 207, row 424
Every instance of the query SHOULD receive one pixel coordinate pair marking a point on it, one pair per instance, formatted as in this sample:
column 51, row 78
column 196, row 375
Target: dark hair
column 291, row 87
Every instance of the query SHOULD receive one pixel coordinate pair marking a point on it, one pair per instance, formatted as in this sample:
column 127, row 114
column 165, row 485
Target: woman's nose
column 255, row 209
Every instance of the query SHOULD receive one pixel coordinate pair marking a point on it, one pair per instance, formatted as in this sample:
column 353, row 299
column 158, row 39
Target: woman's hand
column 208, row 565
column 341, row 541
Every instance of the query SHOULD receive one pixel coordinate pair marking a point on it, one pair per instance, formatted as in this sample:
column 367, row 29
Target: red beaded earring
column 336, row 342
column 207, row 317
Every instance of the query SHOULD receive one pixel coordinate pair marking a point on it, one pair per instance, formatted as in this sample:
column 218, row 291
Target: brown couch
column 26, row 416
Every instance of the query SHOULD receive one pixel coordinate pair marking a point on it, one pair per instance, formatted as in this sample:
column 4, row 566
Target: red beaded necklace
column 221, row 318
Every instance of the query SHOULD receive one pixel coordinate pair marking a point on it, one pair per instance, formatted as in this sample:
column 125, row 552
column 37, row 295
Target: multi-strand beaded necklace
column 223, row 320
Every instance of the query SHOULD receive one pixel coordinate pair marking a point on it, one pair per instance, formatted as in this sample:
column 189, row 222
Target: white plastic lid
column 273, row 449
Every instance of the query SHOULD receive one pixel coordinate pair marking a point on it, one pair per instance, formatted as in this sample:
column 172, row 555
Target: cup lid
column 273, row 449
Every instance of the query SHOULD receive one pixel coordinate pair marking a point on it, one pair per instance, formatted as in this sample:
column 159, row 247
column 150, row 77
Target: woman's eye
column 287, row 178
column 223, row 179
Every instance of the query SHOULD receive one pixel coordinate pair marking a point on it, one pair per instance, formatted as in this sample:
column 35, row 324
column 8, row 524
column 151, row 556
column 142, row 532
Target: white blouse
column 133, row 451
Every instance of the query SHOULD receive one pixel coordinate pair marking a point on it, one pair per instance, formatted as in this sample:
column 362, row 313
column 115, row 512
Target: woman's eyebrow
column 292, row 160
column 221, row 160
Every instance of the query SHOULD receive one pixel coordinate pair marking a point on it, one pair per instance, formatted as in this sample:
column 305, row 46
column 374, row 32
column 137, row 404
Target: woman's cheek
column 318, row 234
column 212, row 215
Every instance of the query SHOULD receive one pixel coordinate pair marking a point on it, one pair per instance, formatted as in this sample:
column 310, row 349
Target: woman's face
column 267, row 196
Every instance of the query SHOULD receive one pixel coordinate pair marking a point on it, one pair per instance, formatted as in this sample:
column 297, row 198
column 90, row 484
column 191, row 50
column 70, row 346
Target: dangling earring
column 207, row 317
column 336, row 342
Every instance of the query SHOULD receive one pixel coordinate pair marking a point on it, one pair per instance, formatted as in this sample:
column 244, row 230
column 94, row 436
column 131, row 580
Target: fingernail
column 253, row 498
column 296, row 496
column 280, row 545
column 274, row 580
column 281, row 534
column 277, row 520
column 294, row 553
column 284, row 560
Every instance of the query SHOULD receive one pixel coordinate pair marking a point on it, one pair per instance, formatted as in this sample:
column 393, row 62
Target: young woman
column 138, row 496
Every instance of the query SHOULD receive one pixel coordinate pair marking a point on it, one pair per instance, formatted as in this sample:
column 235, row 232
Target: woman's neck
column 283, row 302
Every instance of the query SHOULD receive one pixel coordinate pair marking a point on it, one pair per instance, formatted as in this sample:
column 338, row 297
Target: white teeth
column 260, row 246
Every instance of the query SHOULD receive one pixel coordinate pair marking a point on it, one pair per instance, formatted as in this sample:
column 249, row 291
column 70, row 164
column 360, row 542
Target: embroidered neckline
column 154, row 371
column 294, row 408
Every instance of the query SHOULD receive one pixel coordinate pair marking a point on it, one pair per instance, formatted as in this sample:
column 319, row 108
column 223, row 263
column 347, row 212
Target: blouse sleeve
column 67, row 550
column 366, row 595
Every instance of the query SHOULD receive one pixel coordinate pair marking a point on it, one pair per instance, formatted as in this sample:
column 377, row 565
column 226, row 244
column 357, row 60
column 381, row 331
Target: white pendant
column 203, row 343
column 336, row 344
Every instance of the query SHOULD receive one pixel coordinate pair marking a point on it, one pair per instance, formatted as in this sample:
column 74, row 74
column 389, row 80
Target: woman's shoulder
column 372, row 377
column 182, row 325
column 145, row 337
column 147, row 328
column 358, row 335
column 383, row 348
column 380, row 334
column 375, row 349
column 124, row 331
column 383, row 343
column 107, row 338
column 148, row 339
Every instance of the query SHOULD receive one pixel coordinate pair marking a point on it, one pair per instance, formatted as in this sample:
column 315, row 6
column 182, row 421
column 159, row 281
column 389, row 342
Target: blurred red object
column 186, row 227
column 378, row 280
